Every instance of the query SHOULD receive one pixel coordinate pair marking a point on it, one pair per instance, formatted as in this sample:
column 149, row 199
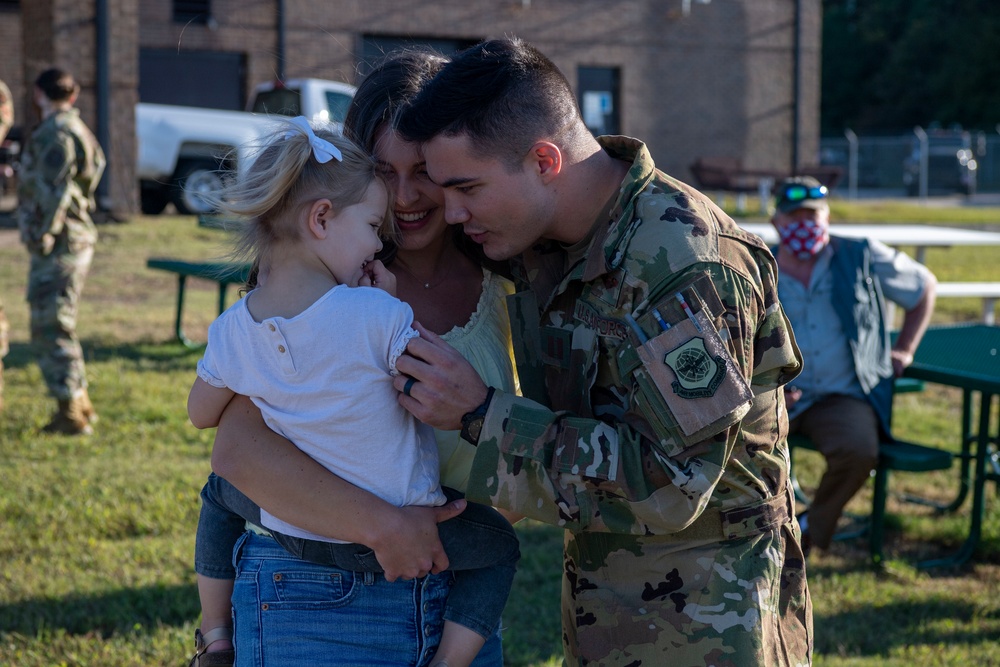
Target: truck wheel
column 193, row 182
column 153, row 198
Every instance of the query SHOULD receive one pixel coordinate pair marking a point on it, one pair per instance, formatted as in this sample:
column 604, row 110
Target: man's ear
column 319, row 214
column 546, row 159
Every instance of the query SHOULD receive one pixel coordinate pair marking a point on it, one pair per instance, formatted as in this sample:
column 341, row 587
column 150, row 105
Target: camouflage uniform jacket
column 60, row 169
column 608, row 444
column 644, row 438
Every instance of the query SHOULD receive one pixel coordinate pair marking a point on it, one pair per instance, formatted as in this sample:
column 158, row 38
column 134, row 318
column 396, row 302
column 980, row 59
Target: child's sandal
column 217, row 659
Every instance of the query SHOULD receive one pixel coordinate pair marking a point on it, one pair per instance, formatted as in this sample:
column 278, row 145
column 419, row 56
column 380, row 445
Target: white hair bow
column 322, row 149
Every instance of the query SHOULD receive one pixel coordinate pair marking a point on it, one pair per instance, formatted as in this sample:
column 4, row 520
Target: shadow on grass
column 157, row 355
column 917, row 534
column 871, row 631
column 105, row 613
column 911, row 550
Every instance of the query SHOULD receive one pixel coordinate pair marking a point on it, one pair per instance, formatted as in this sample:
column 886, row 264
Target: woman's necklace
column 428, row 284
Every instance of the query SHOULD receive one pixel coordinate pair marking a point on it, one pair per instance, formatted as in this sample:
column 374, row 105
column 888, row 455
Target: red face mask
column 805, row 238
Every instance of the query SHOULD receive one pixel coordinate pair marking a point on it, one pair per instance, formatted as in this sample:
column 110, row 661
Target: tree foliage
column 889, row 65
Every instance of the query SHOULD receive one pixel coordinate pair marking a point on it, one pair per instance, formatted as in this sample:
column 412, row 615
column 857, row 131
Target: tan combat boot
column 69, row 419
column 88, row 408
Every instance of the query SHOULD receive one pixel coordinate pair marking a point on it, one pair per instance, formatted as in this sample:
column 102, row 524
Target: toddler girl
column 314, row 345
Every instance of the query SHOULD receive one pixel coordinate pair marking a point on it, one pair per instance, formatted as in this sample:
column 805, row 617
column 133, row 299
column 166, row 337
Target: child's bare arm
column 206, row 403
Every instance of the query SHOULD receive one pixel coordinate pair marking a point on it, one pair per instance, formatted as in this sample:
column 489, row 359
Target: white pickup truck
column 185, row 151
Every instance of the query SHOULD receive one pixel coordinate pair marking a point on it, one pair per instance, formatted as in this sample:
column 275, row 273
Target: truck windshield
column 338, row 103
column 281, row 101
column 288, row 102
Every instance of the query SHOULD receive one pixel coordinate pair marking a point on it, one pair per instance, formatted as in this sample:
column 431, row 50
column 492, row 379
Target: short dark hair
column 503, row 94
column 57, row 85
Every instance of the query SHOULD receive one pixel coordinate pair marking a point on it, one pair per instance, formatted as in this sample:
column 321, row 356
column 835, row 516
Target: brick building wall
column 123, row 57
column 716, row 81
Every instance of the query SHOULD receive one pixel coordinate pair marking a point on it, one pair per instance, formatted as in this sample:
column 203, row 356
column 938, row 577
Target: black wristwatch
column 472, row 422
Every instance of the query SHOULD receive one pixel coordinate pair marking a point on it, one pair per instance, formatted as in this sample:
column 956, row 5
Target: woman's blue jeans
column 290, row 612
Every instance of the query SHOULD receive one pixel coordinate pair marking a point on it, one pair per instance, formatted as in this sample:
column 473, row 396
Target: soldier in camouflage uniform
column 60, row 168
column 651, row 350
column 6, row 121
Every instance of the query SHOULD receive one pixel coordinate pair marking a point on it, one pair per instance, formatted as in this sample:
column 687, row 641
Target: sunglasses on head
column 797, row 192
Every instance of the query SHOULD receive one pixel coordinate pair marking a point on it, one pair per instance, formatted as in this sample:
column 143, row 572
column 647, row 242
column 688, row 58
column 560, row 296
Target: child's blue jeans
column 289, row 612
column 481, row 545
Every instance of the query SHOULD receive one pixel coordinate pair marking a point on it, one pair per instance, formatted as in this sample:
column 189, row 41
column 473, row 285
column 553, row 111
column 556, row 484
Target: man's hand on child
column 446, row 386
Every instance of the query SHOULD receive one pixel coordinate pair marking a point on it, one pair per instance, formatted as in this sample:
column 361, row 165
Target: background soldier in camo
column 6, row 121
column 651, row 350
column 60, row 169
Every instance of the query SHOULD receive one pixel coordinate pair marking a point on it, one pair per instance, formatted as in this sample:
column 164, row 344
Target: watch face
column 473, row 429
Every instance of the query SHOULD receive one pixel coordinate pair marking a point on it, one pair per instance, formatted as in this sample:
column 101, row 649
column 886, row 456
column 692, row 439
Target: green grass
column 97, row 533
column 908, row 211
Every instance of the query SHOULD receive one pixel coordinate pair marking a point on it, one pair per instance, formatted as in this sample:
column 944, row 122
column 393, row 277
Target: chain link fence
column 921, row 163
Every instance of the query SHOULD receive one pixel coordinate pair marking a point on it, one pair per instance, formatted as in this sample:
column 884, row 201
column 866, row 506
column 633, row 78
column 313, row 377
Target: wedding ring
column 408, row 385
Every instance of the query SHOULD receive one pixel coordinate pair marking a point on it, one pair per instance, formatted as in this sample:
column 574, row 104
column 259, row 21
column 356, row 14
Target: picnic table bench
column 222, row 273
column 727, row 174
column 988, row 292
column 957, row 355
column 892, row 455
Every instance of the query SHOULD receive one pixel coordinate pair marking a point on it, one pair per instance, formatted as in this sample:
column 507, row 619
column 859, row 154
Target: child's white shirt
column 323, row 379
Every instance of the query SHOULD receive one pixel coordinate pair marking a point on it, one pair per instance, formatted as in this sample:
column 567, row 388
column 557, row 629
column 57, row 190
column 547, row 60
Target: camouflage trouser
column 638, row 601
column 55, row 282
column 4, row 343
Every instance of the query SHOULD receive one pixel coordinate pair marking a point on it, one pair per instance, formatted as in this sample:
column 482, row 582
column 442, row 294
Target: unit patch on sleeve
column 695, row 376
column 698, row 373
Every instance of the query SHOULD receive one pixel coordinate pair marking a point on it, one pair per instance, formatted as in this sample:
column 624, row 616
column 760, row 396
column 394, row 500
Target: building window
column 599, row 92
column 192, row 11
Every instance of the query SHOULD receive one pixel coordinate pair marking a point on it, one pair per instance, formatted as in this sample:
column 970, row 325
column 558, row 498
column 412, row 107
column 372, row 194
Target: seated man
column 834, row 291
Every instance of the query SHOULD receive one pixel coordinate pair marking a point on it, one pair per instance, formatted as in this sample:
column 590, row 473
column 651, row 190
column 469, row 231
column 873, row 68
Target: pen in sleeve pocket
column 659, row 320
